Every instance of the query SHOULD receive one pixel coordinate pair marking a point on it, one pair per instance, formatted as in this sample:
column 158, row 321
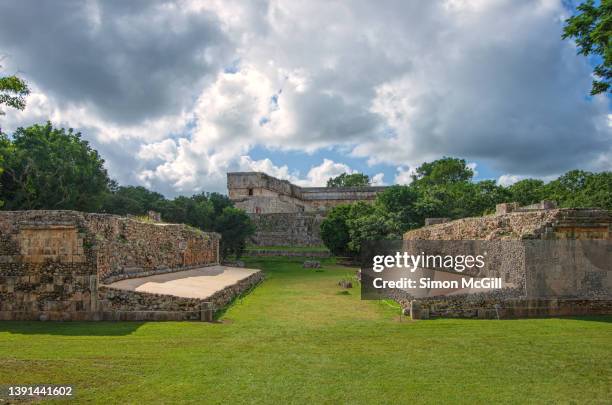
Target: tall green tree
column 51, row 168
column 443, row 171
column 235, row 227
column 591, row 28
column 13, row 92
column 475, row 199
column 349, row 180
column 400, row 200
column 371, row 225
column 5, row 147
column 527, row 191
column 347, row 226
column 219, row 202
column 335, row 230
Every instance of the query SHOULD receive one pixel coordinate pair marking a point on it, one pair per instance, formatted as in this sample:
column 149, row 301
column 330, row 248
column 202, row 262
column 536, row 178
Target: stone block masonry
column 566, row 223
column 559, row 263
column 129, row 248
column 287, row 253
column 287, row 229
column 52, row 263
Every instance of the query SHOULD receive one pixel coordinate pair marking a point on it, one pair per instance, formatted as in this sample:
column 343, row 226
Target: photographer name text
column 426, row 282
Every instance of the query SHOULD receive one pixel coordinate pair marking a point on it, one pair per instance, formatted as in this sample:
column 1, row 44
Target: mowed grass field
column 289, row 248
column 296, row 339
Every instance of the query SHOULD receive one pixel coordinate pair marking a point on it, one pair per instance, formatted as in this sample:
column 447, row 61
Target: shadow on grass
column 102, row 328
column 220, row 312
column 591, row 318
column 588, row 318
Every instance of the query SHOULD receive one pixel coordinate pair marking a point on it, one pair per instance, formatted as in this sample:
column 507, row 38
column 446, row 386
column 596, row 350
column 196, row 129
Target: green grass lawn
column 295, row 339
column 289, row 248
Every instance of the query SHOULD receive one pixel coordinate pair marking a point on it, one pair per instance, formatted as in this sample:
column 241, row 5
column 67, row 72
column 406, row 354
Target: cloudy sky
column 175, row 94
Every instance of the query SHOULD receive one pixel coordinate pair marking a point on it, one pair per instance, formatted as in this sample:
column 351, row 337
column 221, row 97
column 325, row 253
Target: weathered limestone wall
column 270, row 205
column 552, row 273
column 293, row 229
column 129, row 248
column 239, row 184
column 323, row 198
column 537, row 224
column 488, row 306
column 52, row 262
column 47, row 265
column 505, row 259
column 287, row 253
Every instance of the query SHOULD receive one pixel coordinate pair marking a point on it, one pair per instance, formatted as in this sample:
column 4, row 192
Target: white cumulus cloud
column 509, row 179
column 187, row 89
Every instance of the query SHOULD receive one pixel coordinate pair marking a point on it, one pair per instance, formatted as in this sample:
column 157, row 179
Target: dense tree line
column 444, row 188
column 49, row 168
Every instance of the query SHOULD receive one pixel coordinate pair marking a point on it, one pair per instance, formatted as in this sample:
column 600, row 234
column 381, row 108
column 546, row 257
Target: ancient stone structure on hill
column 552, row 262
column 285, row 214
column 60, row 265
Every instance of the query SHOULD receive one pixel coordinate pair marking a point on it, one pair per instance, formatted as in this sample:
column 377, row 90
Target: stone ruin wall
column 287, row 229
column 53, row 263
column 130, row 248
column 258, row 193
column 285, row 214
column 576, row 286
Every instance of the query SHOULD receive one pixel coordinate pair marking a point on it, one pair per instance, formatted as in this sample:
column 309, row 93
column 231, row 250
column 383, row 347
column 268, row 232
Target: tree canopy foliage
column 234, row 226
column 349, row 180
column 50, row 168
column 591, row 28
column 443, row 171
column 444, row 188
column 13, row 92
